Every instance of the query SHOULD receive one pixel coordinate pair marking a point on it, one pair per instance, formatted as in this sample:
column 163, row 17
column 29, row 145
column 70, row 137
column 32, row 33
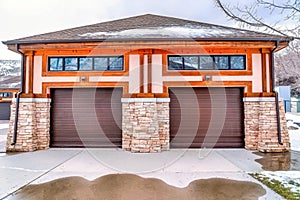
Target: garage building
column 147, row 84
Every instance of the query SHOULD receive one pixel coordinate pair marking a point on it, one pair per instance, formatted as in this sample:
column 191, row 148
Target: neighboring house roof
column 147, row 27
column 10, row 74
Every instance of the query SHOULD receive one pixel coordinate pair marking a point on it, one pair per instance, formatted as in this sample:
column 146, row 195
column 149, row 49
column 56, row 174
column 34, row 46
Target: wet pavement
column 3, row 134
column 128, row 187
column 289, row 161
column 175, row 168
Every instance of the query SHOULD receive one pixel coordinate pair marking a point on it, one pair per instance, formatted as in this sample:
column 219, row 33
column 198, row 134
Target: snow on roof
column 164, row 32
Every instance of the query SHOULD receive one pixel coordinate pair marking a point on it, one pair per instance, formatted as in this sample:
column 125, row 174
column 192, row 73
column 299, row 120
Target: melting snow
column 173, row 31
column 286, row 178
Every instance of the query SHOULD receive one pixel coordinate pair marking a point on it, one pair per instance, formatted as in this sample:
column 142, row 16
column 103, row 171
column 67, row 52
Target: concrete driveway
column 3, row 134
column 175, row 167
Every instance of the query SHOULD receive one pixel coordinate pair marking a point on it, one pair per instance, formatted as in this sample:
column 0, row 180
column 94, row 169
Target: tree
column 287, row 68
column 281, row 16
column 278, row 17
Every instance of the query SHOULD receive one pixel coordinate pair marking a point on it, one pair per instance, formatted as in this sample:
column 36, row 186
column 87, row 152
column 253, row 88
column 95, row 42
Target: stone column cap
column 259, row 99
column 145, row 100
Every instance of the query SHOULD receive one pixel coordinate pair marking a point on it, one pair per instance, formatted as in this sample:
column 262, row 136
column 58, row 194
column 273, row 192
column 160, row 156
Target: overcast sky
column 21, row 18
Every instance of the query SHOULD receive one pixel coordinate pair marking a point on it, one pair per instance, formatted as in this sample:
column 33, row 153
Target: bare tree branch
column 284, row 6
column 248, row 15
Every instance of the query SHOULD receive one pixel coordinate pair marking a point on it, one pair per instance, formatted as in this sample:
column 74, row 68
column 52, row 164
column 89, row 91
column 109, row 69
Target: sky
column 22, row 18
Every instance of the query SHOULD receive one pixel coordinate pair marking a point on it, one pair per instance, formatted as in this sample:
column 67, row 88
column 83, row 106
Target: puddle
column 126, row 186
column 289, row 161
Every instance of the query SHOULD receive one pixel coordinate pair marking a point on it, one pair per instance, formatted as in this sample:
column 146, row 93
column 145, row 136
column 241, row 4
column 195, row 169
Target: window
column 237, row 62
column 191, row 62
column 207, row 62
column 175, row 63
column 71, row 64
column 5, row 94
column 85, row 64
column 101, row 63
column 56, row 64
column 222, row 62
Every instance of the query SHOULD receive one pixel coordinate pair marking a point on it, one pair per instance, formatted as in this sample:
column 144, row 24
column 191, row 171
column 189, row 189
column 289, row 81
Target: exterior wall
column 33, row 125
column 145, row 124
column 146, row 70
column 146, row 74
column 261, row 125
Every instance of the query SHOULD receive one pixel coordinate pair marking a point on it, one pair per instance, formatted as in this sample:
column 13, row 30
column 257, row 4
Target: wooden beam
column 264, row 72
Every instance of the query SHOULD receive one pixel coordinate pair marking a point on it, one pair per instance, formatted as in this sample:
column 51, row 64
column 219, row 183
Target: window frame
column 108, row 68
column 214, row 66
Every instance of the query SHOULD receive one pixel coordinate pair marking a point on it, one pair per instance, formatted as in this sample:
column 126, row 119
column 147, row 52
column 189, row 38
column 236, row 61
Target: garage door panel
column 4, row 111
column 95, row 121
column 206, row 106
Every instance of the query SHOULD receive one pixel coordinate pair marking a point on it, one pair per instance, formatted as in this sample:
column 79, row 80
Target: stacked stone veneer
column 33, row 125
column 145, row 124
column 261, row 125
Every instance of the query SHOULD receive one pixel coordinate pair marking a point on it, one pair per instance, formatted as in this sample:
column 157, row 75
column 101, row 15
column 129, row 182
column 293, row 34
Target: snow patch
column 287, row 178
column 172, row 31
column 294, row 134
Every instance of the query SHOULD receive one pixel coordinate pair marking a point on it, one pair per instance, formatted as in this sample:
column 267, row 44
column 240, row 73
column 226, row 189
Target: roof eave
column 10, row 42
column 274, row 39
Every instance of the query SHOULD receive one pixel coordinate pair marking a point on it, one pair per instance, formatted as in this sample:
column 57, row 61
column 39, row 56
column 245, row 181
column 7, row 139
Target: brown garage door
column 86, row 117
column 202, row 117
column 4, row 111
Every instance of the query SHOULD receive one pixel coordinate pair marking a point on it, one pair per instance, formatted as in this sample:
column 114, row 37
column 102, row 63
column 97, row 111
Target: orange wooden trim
column 207, row 72
column 5, row 101
column 126, row 63
column 241, row 84
column 9, row 90
column 41, row 96
column 145, row 95
column 85, row 73
column 264, row 50
column 30, row 72
column 207, row 84
column 162, row 95
column 29, row 95
column 264, row 72
column 262, row 94
column 149, row 44
column 249, row 64
column 149, row 86
column 47, row 86
column 141, row 73
column 44, row 65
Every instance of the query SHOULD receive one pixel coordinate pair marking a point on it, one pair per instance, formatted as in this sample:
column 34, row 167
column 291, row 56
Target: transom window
column 207, row 62
column 99, row 63
column 5, row 94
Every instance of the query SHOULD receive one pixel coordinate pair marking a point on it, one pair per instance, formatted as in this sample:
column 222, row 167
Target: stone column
column 145, row 124
column 261, row 125
column 33, row 125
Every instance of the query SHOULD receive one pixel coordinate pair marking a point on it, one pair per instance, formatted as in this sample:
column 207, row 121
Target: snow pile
column 166, row 32
column 294, row 132
column 290, row 179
